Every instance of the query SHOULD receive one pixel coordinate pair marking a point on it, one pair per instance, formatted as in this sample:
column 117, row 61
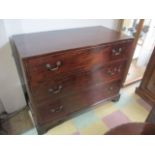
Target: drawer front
column 71, row 62
column 76, row 83
column 92, row 96
column 53, row 110
column 50, row 111
column 151, row 84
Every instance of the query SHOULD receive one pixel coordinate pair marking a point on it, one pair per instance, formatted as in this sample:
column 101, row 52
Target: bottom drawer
column 50, row 111
column 54, row 110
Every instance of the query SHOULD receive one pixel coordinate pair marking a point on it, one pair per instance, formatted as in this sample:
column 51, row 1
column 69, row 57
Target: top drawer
column 69, row 62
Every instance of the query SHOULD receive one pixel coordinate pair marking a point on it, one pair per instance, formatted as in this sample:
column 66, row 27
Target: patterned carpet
column 98, row 120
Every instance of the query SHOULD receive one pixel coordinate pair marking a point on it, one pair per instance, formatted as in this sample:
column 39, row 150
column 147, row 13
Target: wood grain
column 55, row 41
column 75, row 102
column 77, row 83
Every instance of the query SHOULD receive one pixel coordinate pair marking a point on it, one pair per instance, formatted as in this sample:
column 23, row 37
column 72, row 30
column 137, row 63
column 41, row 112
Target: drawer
column 151, row 83
column 71, row 62
column 50, row 111
column 92, row 96
column 53, row 110
column 73, row 84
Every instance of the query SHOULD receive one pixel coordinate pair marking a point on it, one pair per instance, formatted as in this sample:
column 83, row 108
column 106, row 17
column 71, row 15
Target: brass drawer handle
column 117, row 52
column 111, row 73
column 114, row 71
column 60, row 108
column 55, row 90
column 54, row 67
column 111, row 88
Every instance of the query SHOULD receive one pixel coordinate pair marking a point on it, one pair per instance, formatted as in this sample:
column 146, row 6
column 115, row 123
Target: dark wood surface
column 47, row 42
column 62, row 86
column 133, row 129
column 42, row 128
column 62, row 83
column 57, row 106
column 76, row 61
column 146, row 90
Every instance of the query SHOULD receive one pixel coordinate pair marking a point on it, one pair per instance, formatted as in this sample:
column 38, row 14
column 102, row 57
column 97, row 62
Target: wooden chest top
column 41, row 43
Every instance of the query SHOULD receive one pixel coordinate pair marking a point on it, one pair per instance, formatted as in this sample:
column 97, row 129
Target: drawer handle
column 114, row 71
column 60, row 108
column 117, row 52
column 55, row 90
column 111, row 88
column 111, row 73
column 54, row 67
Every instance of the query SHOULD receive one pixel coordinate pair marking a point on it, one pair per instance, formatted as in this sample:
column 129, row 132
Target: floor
column 98, row 120
column 135, row 73
column 18, row 123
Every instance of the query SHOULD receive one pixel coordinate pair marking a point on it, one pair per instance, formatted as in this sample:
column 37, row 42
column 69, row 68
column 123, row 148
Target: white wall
column 10, row 90
column 11, row 93
column 31, row 25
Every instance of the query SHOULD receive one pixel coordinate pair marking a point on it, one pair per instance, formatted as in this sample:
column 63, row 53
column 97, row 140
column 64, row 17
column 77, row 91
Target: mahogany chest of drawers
column 147, row 87
column 65, row 71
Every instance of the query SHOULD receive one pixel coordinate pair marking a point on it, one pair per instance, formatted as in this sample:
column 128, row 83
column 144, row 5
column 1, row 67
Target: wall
column 11, row 94
column 31, row 25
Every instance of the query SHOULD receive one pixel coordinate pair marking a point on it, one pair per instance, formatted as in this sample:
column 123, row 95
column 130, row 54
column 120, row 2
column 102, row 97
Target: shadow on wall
column 1, row 107
column 10, row 87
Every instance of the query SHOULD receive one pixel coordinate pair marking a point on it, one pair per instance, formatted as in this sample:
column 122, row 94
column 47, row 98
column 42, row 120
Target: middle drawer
column 64, row 86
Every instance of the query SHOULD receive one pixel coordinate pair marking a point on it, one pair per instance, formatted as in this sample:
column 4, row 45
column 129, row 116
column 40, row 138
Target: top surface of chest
column 34, row 44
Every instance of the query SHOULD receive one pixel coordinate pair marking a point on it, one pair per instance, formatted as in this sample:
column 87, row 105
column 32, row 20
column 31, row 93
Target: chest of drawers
column 66, row 71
